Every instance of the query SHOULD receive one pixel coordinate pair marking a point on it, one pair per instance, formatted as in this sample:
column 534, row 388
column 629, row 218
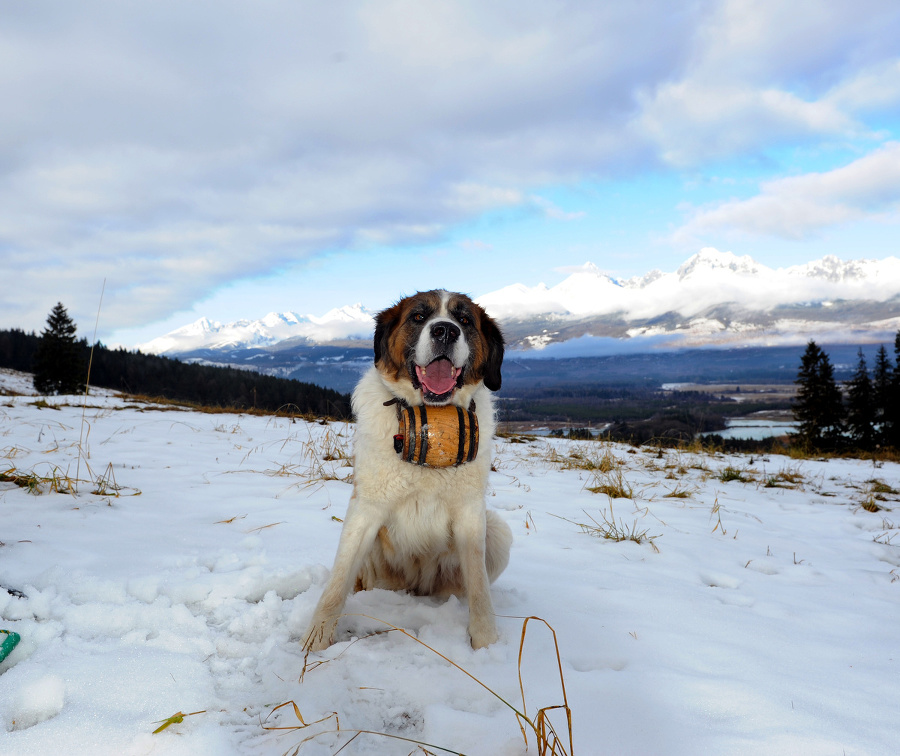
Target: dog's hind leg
column 498, row 540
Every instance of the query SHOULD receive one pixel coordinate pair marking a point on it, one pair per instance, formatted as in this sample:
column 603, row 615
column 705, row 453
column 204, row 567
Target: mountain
column 714, row 298
column 351, row 322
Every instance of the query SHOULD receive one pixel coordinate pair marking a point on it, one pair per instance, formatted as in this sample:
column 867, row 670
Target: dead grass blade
column 547, row 737
column 263, row 527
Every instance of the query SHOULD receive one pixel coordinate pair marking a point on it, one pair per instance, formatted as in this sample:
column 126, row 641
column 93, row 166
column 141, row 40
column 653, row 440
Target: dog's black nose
column 446, row 333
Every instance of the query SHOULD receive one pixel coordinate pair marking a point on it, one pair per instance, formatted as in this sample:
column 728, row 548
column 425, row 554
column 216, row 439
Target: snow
column 764, row 621
column 707, row 279
column 352, row 321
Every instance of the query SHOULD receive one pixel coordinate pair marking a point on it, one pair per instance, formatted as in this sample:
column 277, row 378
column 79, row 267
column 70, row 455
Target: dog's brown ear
column 494, row 339
column 385, row 322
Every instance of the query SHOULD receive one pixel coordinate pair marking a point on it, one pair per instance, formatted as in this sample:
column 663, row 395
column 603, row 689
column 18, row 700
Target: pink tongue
column 439, row 377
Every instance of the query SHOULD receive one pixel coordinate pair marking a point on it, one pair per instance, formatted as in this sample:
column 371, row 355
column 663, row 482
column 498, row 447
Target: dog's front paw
column 319, row 636
column 483, row 634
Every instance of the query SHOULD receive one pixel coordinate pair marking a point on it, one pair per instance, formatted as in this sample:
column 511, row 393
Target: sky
column 162, row 161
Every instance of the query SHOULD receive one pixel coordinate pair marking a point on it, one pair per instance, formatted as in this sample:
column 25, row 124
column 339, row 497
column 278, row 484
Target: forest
column 160, row 377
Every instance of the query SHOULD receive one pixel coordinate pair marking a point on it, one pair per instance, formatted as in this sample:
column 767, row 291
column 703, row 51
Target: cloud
column 769, row 73
column 174, row 147
column 800, row 206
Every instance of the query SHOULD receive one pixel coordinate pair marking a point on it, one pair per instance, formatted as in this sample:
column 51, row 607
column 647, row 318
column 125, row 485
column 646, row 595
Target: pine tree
column 806, row 404
column 861, row 406
column 818, row 406
column 832, row 416
column 892, row 401
column 58, row 366
column 882, row 396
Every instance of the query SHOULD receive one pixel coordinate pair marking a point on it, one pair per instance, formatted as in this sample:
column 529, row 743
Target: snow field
column 764, row 620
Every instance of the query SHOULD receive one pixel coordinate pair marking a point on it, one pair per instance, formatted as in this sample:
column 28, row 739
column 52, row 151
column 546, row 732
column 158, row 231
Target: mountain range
column 714, row 299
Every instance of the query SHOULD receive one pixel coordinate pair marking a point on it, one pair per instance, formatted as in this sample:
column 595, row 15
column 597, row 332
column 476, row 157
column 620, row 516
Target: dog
column 410, row 527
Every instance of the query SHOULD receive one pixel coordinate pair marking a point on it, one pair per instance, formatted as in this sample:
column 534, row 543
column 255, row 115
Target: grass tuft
column 730, row 473
column 613, row 484
column 610, row 530
column 679, row 493
column 880, row 487
column 870, row 505
column 786, row 478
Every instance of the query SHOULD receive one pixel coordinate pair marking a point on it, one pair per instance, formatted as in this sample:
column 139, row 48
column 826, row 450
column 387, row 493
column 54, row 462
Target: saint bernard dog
column 411, row 527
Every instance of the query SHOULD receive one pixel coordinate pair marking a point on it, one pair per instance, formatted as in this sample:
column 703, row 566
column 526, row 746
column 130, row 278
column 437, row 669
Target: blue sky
column 229, row 160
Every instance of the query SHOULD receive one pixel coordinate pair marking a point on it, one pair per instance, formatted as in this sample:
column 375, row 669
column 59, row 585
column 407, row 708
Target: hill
column 718, row 604
column 214, row 386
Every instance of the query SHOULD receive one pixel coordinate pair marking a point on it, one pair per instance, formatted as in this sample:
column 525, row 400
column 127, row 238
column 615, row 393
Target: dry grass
column 59, row 482
column 880, row 487
column 613, row 484
column 785, row 478
column 608, row 529
column 680, row 493
column 717, row 513
column 588, row 457
column 875, row 493
column 870, row 505
column 38, row 484
column 548, row 740
column 729, row 474
column 886, row 536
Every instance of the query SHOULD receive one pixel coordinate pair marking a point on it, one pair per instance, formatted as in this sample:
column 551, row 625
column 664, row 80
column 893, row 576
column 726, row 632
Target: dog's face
column 439, row 341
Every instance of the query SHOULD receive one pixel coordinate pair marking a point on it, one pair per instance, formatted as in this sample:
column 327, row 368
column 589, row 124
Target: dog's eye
column 419, row 317
column 464, row 320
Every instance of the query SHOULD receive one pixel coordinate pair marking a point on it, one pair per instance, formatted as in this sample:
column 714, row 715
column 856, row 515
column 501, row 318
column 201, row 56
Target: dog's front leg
column 360, row 529
column 469, row 533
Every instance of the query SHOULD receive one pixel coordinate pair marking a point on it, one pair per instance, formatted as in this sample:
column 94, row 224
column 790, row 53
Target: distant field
column 756, row 392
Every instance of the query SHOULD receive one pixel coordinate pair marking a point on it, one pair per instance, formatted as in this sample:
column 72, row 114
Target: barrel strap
column 462, row 436
column 423, row 437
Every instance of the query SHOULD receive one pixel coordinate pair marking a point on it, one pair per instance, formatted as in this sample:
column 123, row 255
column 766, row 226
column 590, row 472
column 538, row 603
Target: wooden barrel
column 437, row 436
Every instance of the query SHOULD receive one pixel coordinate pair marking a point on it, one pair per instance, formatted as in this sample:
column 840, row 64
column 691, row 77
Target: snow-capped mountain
column 707, row 279
column 350, row 322
column 712, row 298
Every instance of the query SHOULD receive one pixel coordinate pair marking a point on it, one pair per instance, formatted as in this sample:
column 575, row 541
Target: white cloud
column 770, row 72
column 173, row 147
column 799, row 206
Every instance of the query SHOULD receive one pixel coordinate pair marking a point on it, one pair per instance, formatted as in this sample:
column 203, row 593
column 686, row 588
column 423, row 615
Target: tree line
column 60, row 363
column 865, row 415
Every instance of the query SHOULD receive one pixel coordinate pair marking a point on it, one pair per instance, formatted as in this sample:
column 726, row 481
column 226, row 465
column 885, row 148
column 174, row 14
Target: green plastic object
column 9, row 643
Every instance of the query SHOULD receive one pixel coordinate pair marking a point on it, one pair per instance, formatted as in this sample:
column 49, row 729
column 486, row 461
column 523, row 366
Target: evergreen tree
column 882, row 396
column 805, row 409
column 861, row 406
column 58, row 365
column 818, row 406
column 892, row 401
column 832, row 403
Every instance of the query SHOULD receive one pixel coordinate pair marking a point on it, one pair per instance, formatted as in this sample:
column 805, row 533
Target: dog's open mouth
column 438, row 378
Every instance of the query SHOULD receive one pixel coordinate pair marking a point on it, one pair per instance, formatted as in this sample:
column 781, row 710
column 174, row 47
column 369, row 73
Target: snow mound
column 36, row 701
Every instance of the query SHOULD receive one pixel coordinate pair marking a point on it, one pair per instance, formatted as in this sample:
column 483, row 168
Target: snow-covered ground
column 180, row 575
